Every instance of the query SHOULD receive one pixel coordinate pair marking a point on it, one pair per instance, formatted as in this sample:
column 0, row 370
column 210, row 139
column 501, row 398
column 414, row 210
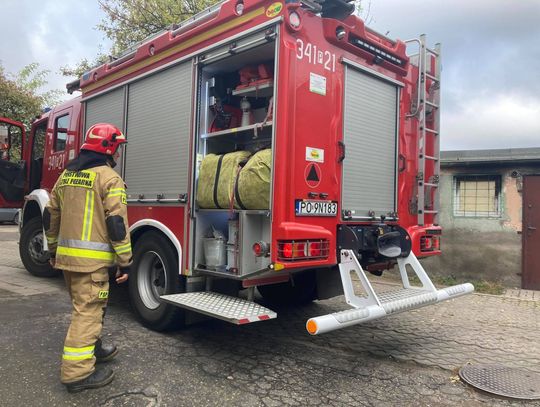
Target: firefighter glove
column 123, row 270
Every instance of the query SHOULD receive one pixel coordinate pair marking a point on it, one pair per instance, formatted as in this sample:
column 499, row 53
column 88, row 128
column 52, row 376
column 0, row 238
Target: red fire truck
column 272, row 145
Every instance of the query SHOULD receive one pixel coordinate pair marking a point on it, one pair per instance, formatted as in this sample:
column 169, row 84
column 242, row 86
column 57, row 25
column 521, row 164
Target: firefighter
column 86, row 227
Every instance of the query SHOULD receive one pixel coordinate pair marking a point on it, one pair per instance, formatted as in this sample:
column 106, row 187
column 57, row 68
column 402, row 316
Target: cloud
column 490, row 65
column 54, row 33
column 502, row 122
column 490, row 57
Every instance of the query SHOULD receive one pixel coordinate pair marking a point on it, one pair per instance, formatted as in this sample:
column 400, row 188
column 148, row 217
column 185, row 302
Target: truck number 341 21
column 315, row 56
column 56, row 162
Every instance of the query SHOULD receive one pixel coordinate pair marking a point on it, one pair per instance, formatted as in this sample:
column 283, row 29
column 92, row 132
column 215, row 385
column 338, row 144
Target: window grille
column 477, row 196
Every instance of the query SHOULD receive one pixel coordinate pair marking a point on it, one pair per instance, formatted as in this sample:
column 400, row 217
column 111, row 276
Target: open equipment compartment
column 236, row 85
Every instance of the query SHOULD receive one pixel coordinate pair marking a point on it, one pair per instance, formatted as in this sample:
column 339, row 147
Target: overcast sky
column 491, row 56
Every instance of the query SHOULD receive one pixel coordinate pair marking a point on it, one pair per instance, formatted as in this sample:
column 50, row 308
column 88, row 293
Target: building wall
column 482, row 248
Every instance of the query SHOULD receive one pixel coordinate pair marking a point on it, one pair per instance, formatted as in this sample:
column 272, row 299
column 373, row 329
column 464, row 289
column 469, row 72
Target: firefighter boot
column 100, row 378
column 104, row 353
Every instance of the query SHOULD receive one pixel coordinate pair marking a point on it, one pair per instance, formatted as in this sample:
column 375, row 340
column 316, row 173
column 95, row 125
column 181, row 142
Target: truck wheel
column 154, row 273
column 34, row 259
column 302, row 290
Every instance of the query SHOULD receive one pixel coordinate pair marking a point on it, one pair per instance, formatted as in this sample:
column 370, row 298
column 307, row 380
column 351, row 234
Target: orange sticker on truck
column 274, row 9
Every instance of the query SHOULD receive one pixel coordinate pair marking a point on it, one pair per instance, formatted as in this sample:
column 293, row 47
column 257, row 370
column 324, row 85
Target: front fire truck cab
column 290, row 145
column 53, row 140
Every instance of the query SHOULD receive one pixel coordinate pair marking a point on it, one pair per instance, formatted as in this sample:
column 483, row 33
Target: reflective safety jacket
column 86, row 221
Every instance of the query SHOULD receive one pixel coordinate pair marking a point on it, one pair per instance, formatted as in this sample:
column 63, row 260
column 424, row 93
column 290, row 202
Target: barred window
column 477, row 196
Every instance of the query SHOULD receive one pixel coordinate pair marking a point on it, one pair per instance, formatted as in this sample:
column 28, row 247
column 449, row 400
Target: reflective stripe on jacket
column 80, row 203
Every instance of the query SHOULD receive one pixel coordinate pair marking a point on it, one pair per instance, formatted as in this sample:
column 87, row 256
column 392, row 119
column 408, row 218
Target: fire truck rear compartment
column 235, row 89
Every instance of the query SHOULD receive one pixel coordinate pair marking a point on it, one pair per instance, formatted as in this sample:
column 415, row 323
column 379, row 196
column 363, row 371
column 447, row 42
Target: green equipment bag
column 217, row 176
column 252, row 190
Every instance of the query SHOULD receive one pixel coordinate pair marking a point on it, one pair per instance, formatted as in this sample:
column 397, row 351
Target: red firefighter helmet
column 103, row 138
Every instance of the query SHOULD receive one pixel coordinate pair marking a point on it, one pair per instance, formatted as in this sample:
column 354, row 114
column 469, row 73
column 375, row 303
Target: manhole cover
column 502, row 380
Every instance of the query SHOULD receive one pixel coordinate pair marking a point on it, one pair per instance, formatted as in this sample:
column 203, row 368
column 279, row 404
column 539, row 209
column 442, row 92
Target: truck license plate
column 316, row 208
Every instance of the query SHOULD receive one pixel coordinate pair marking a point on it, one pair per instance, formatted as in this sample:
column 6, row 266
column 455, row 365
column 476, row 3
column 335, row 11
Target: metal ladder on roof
column 427, row 111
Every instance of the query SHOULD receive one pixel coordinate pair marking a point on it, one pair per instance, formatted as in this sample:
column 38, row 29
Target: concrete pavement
column 406, row 359
column 13, row 277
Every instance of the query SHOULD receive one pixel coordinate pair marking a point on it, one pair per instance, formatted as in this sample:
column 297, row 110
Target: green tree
column 20, row 98
column 127, row 22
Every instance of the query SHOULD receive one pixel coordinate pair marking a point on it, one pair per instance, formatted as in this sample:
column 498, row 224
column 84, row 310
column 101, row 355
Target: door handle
column 402, row 163
column 531, row 228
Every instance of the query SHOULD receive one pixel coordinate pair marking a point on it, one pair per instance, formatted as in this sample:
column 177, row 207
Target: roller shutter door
column 370, row 137
column 158, row 131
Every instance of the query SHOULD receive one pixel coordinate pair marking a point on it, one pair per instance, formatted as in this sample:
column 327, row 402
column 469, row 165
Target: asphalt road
column 271, row 363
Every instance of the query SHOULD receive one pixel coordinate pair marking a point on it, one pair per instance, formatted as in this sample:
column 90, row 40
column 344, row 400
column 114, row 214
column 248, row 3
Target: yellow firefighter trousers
column 89, row 293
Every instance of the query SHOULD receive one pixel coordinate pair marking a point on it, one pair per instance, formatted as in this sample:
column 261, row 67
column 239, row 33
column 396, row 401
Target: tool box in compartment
column 235, row 253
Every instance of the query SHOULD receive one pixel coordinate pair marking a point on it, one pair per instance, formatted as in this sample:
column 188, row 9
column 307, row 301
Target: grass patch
column 480, row 286
column 488, row 287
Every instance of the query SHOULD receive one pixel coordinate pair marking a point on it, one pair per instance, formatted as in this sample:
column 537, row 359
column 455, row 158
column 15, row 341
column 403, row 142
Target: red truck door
column 13, row 167
column 58, row 144
column 35, row 148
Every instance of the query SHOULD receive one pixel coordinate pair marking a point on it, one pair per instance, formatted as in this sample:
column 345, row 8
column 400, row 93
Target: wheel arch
column 34, row 206
column 145, row 225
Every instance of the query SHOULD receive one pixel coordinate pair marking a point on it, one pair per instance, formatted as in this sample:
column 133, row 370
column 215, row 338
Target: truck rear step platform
column 372, row 305
column 231, row 309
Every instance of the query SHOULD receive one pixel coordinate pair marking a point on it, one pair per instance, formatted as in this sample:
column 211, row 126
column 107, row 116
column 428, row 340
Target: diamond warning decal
column 312, row 175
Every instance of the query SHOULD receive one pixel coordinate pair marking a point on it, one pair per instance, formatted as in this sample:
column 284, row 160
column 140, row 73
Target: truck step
column 405, row 299
column 231, row 309
column 372, row 305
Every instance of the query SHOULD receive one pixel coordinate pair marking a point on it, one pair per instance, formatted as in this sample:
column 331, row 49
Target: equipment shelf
column 202, row 270
column 236, row 130
column 262, row 90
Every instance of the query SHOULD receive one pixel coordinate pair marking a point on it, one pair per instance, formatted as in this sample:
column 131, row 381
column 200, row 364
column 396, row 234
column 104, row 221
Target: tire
column 155, row 272
column 34, row 259
column 300, row 291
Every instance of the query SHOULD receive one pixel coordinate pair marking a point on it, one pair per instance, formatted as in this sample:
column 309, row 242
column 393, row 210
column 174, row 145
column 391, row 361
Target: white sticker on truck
column 315, row 154
column 317, row 84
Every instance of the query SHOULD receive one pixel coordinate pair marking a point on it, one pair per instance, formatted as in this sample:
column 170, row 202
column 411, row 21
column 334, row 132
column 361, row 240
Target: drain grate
column 503, row 380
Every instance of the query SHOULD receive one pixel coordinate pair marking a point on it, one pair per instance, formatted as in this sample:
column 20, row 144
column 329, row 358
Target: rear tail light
column 286, row 250
column 296, row 250
column 261, row 249
column 430, row 243
column 299, row 249
column 314, row 249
